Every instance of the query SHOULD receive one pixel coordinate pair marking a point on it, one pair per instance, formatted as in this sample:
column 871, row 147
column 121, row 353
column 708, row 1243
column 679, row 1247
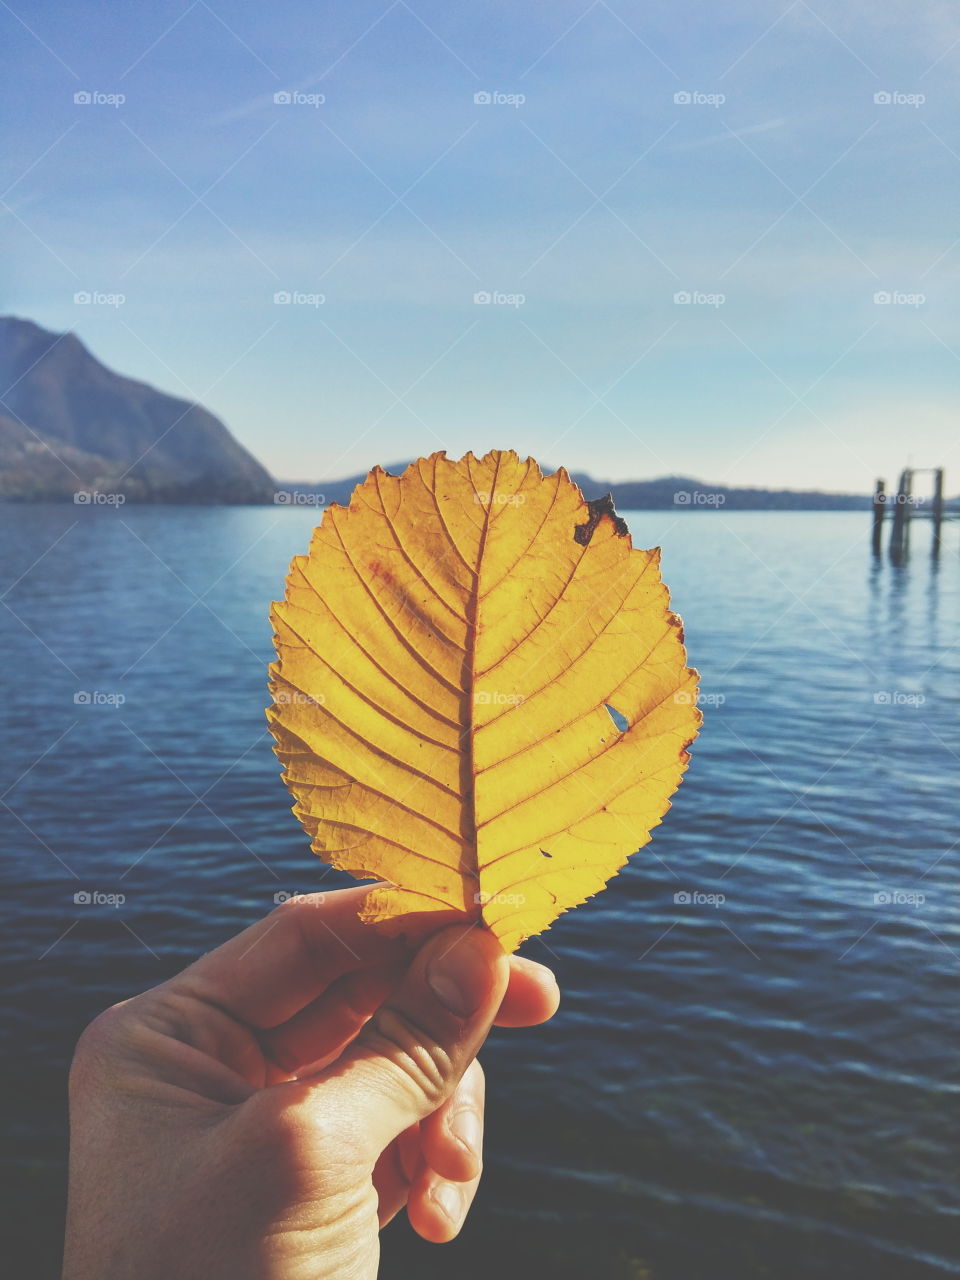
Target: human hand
column 261, row 1115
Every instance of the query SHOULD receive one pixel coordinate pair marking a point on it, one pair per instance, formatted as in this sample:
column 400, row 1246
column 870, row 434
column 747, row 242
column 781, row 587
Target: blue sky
column 782, row 198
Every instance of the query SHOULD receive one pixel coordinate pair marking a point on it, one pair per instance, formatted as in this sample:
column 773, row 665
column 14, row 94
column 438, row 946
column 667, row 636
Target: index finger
column 272, row 970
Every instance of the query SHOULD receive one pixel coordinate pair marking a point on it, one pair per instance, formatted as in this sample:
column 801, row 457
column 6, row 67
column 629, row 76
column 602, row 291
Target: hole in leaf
column 545, row 854
column 618, row 718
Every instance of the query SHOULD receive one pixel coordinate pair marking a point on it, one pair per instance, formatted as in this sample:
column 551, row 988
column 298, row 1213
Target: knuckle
column 103, row 1031
column 97, row 1045
column 418, row 1061
column 300, row 915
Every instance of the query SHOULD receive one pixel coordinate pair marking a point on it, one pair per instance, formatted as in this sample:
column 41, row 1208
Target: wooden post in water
column 879, row 511
column 937, row 509
column 901, row 515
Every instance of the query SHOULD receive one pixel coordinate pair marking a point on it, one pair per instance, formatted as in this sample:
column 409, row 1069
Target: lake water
column 756, row 1079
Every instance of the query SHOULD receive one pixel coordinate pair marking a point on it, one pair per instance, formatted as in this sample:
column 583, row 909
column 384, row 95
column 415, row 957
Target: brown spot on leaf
column 380, row 571
column 599, row 508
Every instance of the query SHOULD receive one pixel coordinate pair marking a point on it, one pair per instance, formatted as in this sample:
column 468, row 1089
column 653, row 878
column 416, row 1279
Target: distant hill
column 67, row 423
column 675, row 493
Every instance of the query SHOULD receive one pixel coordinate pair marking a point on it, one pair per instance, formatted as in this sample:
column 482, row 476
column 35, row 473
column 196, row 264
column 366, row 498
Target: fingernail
column 460, row 976
column 450, row 1200
column 465, row 1127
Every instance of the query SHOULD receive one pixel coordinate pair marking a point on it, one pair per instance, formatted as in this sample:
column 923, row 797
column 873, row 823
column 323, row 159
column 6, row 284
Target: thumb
column 411, row 1054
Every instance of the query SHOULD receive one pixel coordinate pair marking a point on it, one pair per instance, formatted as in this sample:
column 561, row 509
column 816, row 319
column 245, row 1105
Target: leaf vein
column 387, row 715
column 418, row 657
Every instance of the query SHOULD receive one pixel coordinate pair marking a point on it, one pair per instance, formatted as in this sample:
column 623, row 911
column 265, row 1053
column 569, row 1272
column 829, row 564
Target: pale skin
column 263, row 1114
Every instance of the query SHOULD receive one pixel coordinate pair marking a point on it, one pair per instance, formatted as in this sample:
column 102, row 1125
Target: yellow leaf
column 448, row 655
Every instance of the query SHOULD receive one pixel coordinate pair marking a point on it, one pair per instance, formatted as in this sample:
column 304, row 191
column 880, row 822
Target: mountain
column 675, row 493
column 69, row 424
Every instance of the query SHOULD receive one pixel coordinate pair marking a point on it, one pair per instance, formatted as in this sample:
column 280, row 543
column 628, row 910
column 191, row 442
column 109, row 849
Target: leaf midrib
column 468, row 775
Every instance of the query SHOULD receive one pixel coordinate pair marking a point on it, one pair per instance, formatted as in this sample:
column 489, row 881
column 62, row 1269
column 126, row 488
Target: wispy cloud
column 728, row 135
column 261, row 104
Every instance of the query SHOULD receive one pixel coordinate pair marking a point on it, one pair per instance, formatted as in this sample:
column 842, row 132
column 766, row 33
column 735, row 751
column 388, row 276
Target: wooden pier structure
column 905, row 507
